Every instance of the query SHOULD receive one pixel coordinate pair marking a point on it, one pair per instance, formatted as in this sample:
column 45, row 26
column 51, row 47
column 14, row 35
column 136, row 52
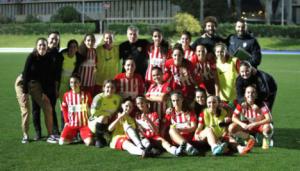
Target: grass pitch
column 44, row 156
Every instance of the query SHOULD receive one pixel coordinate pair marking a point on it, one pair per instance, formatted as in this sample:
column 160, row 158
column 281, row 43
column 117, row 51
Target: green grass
column 272, row 43
column 43, row 156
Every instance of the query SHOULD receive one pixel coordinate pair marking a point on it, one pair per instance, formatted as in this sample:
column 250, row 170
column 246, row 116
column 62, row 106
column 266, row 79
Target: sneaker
column 266, row 143
column 145, row 154
column 25, row 140
column 100, row 143
column 192, row 151
column 51, row 139
column 223, row 146
column 217, row 150
column 37, row 137
column 249, row 146
column 180, row 149
column 155, row 151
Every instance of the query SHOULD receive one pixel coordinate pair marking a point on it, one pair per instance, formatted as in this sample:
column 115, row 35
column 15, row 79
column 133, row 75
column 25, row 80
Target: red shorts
column 119, row 142
column 69, row 132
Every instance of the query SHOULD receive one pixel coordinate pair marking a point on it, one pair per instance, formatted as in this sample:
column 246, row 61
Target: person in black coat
column 209, row 38
column 243, row 39
column 135, row 48
column 39, row 82
column 265, row 84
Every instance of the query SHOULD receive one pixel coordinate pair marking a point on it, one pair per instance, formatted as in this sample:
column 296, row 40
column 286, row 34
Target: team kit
column 147, row 98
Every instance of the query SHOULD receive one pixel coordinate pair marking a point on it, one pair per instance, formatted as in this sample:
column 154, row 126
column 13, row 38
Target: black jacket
column 249, row 43
column 41, row 69
column 265, row 86
column 138, row 51
column 208, row 42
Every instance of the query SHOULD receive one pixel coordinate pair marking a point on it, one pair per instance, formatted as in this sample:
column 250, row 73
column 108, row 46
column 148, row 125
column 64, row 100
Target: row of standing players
column 177, row 71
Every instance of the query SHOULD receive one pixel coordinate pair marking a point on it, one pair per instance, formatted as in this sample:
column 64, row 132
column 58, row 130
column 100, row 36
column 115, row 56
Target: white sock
column 132, row 149
column 188, row 146
column 240, row 148
column 133, row 136
column 146, row 142
column 172, row 150
column 213, row 146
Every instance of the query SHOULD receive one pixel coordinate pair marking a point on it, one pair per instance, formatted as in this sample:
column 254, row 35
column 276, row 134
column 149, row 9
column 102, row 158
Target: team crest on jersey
column 115, row 102
column 244, row 44
column 108, row 58
column 140, row 49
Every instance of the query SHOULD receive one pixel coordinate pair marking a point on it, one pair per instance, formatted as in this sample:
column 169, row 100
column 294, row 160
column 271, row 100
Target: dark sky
column 251, row 5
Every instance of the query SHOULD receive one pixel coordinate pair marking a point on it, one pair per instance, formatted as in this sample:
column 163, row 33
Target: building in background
column 112, row 11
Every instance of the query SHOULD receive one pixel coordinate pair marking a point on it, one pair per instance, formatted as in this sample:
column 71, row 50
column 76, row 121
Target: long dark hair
column 82, row 48
column 34, row 51
column 164, row 45
column 58, row 34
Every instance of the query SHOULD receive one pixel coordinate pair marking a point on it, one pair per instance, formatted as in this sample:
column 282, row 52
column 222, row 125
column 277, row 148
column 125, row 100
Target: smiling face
column 89, row 41
column 240, row 28
column 157, row 38
column 201, row 52
column 220, row 52
column 141, row 104
column 107, row 39
column 132, row 36
column 108, row 89
column 129, row 67
column 212, row 103
column 53, row 40
column 74, row 84
column 200, row 97
column 127, row 106
column 157, row 76
column 210, row 28
column 41, row 47
column 177, row 101
column 250, row 95
column 177, row 57
column 185, row 40
column 72, row 49
column 245, row 72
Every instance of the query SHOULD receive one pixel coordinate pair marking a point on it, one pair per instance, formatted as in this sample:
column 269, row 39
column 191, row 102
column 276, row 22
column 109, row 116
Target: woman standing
column 39, row 81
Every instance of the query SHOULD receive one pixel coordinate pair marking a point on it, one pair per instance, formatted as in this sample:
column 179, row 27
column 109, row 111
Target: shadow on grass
column 287, row 138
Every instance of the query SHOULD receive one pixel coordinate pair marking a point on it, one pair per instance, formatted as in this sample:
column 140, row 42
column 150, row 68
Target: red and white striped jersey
column 175, row 74
column 180, row 119
column 247, row 114
column 158, row 90
column 156, row 58
column 204, row 72
column 75, row 108
column 145, row 126
column 129, row 87
column 188, row 54
column 87, row 69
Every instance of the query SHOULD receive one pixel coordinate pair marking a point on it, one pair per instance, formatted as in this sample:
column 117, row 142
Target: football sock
column 240, row 148
column 188, row 146
column 172, row 150
column 133, row 136
column 146, row 143
column 132, row 149
column 213, row 146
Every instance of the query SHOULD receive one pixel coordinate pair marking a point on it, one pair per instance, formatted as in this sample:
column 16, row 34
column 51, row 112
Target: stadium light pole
column 282, row 12
column 82, row 12
column 201, row 2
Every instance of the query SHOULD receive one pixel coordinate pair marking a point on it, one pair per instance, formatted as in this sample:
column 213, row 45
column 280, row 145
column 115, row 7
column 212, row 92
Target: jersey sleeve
column 155, row 119
column 237, row 110
column 201, row 118
column 64, row 108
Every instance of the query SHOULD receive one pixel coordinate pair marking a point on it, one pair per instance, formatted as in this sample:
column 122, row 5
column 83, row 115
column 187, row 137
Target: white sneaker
column 52, row 139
